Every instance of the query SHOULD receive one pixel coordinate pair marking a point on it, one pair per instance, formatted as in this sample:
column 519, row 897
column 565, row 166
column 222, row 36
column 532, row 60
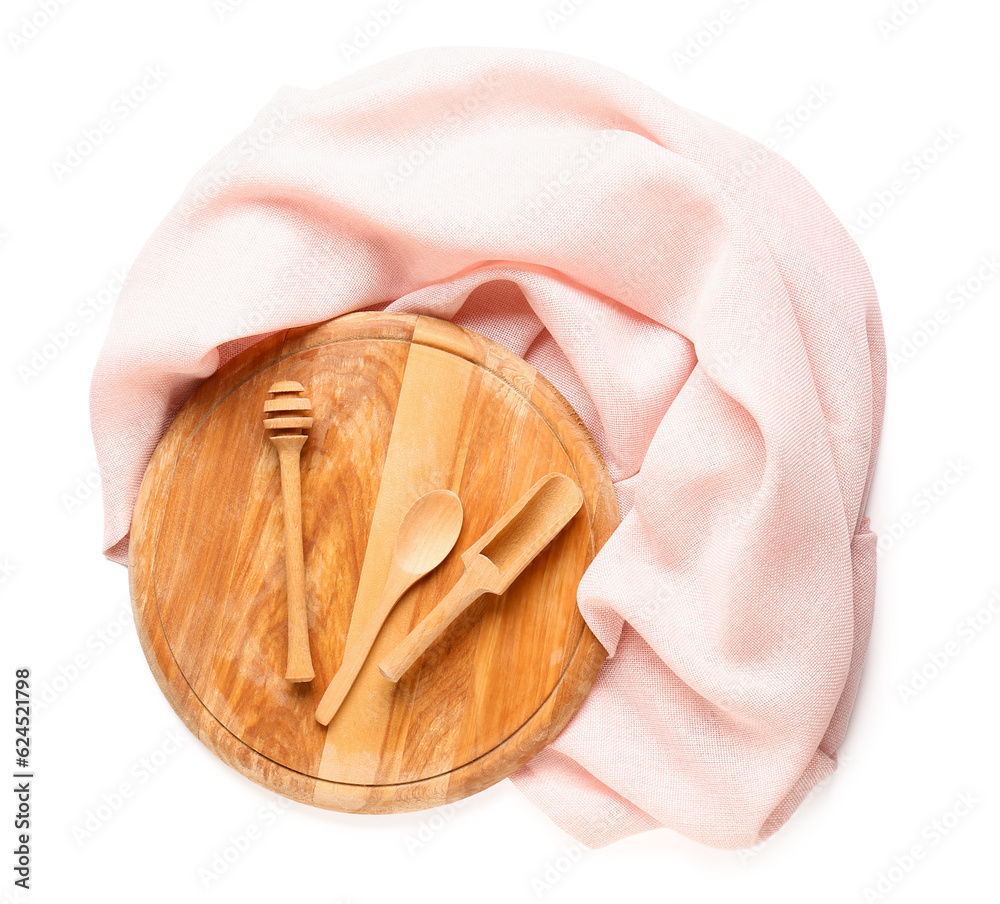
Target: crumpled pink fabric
column 690, row 294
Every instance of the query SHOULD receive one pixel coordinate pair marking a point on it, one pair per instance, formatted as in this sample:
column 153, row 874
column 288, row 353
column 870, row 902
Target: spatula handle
column 480, row 577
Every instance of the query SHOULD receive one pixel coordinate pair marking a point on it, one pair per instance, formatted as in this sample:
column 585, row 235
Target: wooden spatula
column 494, row 561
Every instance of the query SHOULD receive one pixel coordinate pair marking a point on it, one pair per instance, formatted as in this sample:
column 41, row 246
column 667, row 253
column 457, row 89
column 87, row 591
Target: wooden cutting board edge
column 547, row 721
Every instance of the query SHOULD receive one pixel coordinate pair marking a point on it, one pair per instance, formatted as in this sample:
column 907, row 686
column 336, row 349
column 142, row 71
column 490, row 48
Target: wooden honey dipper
column 287, row 422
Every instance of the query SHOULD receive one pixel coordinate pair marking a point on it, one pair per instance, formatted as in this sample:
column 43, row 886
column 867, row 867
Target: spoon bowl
column 428, row 532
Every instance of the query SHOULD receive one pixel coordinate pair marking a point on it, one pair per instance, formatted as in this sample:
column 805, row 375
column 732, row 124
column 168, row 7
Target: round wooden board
column 207, row 570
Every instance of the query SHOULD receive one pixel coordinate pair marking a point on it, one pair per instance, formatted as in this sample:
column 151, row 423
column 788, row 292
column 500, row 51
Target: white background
column 904, row 762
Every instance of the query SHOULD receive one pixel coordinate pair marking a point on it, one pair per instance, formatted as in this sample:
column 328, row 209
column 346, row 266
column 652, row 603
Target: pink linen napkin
column 689, row 293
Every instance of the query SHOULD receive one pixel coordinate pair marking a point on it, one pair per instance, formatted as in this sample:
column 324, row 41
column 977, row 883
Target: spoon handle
column 354, row 658
column 479, row 577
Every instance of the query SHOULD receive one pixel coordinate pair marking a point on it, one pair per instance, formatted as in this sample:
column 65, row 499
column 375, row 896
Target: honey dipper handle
column 298, row 666
column 480, row 577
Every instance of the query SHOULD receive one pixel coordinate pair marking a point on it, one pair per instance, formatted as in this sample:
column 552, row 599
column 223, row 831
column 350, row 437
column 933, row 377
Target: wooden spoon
column 494, row 561
column 426, row 535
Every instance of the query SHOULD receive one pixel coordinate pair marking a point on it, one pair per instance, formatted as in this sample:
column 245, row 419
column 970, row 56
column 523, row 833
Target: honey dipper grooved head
column 286, row 412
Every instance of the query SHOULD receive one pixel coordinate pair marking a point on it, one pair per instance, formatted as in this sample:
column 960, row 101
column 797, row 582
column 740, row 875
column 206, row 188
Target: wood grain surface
column 402, row 405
